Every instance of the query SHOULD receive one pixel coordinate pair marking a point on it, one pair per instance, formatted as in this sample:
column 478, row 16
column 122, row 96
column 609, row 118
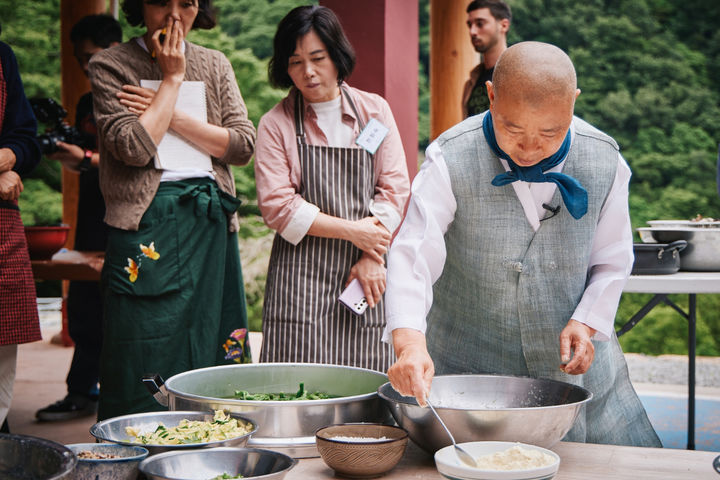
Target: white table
column 690, row 283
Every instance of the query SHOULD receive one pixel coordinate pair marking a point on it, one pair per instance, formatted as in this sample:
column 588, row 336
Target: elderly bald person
column 515, row 249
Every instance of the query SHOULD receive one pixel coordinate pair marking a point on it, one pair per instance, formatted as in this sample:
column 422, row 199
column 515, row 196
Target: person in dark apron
column 332, row 181
column 172, row 281
column 19, row 154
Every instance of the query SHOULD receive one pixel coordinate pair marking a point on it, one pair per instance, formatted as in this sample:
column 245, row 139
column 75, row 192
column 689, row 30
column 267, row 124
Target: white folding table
column 690, row 283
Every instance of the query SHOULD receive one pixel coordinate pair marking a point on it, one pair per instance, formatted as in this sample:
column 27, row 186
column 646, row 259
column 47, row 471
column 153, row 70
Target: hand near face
column 169, row 54
column 575, row 338
column 10, row 186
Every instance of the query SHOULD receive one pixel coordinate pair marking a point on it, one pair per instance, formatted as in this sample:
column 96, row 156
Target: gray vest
column 506, row 291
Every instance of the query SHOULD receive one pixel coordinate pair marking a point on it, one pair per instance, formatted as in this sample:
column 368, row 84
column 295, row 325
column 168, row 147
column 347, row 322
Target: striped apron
column 303, row 321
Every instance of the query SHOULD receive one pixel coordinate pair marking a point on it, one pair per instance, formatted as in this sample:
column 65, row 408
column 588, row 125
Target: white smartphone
column 353, row 297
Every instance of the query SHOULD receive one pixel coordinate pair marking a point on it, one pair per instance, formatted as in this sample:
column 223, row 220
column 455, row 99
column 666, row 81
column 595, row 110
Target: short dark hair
column 102, row 30
column 499, row 9
column 205, row 18
column 297, row 23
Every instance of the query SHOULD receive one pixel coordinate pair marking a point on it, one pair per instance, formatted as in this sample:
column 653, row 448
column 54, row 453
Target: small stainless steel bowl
column 251, row 463
column 113, row 429
column 122, row 466
column 489, row 407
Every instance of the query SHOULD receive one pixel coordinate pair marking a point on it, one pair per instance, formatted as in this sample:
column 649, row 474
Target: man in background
column 90, row 35
column 488, row 22
column 19, row 154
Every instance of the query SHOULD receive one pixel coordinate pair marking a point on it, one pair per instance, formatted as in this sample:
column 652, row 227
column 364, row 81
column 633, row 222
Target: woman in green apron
column 172, row 281
column 332, row 181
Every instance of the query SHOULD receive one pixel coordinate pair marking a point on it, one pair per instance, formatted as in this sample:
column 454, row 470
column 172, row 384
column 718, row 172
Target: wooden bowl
column 361, row 450
column 44, row 241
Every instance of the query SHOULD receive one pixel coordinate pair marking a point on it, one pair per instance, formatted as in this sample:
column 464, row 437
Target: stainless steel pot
column 703, row 250
column 286, row 426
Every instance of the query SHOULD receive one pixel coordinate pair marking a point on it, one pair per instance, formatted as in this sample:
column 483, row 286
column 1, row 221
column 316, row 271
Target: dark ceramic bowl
column 23, row 457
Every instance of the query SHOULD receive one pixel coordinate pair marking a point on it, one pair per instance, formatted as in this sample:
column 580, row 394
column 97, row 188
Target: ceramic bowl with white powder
column 499, row 461
column 361, row 450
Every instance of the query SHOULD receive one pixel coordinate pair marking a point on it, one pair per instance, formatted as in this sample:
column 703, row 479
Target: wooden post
column 74, row 85
column 452, row 56
column 384, row 34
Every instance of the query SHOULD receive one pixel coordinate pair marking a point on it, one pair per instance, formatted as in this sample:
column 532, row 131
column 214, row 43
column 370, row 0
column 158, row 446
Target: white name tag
column 372, row 136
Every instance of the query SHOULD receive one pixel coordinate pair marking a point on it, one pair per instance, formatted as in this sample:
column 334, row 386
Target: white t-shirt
column 329, row 119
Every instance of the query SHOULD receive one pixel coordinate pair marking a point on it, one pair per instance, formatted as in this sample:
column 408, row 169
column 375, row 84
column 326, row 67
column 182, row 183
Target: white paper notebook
column 174, row 152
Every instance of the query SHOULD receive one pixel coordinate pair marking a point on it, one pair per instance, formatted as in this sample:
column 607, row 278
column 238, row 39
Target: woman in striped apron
column 333, row 203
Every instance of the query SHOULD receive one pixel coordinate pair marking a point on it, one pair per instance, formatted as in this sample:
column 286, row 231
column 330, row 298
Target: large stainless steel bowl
column 23, row 457
column 702, row 253
column 286, row 426
column 113, row 429
column 251, row 463
column 489, row 407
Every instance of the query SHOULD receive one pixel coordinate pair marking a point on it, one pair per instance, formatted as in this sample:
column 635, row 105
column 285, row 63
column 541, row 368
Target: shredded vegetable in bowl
column 223, row 427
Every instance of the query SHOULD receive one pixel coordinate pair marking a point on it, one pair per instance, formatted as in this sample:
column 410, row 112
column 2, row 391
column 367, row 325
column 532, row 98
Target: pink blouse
column 278, row 172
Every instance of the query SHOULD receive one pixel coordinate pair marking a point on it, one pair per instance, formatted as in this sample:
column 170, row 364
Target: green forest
column 647, row 69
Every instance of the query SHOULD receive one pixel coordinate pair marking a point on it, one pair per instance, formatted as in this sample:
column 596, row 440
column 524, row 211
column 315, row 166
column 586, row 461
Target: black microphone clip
column 553, row 210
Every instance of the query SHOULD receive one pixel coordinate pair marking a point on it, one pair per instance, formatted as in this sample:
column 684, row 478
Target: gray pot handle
column 156, row 386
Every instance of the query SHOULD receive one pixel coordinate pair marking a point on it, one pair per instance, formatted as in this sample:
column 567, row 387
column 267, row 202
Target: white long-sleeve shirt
column 418, row 253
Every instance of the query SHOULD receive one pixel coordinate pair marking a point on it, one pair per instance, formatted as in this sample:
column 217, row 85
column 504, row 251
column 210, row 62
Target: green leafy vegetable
column 301, row 394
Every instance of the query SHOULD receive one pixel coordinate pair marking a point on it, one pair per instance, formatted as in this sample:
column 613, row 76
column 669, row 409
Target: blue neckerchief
column 573, row 194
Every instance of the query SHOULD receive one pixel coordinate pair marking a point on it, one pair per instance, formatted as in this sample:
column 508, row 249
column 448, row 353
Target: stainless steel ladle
column 464, row 456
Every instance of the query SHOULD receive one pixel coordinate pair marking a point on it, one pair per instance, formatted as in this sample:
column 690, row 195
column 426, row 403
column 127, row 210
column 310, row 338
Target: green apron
column 173, row 293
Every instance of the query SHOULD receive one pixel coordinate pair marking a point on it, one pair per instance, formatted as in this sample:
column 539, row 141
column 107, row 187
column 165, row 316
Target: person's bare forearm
column 156, row 119
column 211, row 138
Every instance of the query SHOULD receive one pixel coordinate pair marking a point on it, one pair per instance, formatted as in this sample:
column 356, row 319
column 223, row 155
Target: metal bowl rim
column 163, row 455
column 376, row 442
column 174, row 413
column 70, row 460
column 588, row 393
column 237, row 401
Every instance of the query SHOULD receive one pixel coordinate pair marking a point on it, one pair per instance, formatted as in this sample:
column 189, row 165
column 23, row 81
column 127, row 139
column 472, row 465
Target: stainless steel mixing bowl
column 23, row 457
column 286, row 426
column 251, row 463
column 489, row 407
column 113, row 429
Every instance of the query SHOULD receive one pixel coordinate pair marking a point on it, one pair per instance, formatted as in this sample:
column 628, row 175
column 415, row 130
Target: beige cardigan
column 128, row 179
